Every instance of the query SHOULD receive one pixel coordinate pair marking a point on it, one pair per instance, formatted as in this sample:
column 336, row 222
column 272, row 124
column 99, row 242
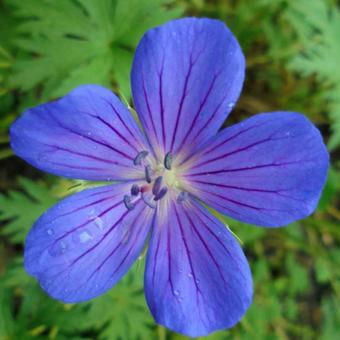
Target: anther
column 148, row 203
column 168, row 161
column 161, row 194
column 135, row 190
column 127, row 201
column 183, row 196
column 148, row 174
column 157, row 185
column 138, row 159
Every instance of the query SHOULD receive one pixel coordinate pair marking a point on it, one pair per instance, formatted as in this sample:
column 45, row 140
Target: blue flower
column 268, row 170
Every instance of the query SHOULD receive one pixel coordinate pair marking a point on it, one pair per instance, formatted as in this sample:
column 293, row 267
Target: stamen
column 183, row 196
column 168, row 161
column 161, row 194
column 148, row 174
column 127, row 201
column 157, row 185
column 135, row 190
column 148, row 203
column 140, row 157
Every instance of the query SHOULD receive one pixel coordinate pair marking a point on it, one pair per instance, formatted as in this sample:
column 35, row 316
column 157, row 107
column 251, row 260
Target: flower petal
column 268, row 170
column 82, row 246
column 197, row 278
column 88, row 134
column 186, row 77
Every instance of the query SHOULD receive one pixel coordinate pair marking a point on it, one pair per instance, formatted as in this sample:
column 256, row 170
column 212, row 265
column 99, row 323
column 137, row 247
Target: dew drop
column 42, row 157
column 99, row 223
column 58, row 249
column 126, row 235
column 89, row 133
column 197, row 281
column 231, row 105
column 45, row 283
column 82, row 236
column 85, row 236
column 176, row 292
column 50, row 231
column 190, row 275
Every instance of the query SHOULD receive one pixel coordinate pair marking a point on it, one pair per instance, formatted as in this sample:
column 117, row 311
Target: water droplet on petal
column 58, row 249
column 231, row 105
column 99, row 223
column 45, row 283
column 197, row 281
column 89, row 133
column 50, row 231
column 85, row 237
column 126, row 235
column 176, row 292
column 42, row 157
column 82, row 236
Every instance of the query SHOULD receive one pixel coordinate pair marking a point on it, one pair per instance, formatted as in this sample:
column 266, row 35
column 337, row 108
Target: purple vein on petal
column 103, row 238
column 255, row 167
column 90, row 138
column 103, row 213
column 85, row 155
column 239, row 133
column 114, row 250
column 184, row 94
column 202, row 105
column 247, row 147
column 276, row 192
column 147, row 103
column 203, row 127
column 101, row 200
column 225, row 198
column 212, row 233
column 169, row 260
column 133, row 135
column 77, row 167
column 103, row 121
column 193, row 228
column 161, row 104
column 181, row 229
column 208, row 249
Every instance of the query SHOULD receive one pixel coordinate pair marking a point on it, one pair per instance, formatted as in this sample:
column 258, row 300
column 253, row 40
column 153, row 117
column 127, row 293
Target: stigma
column 160, row 180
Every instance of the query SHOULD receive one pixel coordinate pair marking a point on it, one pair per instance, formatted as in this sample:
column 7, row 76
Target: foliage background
column 292, row 48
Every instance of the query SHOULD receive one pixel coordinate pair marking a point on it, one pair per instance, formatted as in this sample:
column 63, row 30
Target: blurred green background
column 292, row 48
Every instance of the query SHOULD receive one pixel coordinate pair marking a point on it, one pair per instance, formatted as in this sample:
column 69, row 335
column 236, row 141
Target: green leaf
column 317, row 25
column 331, row 319
column 81, row 42
column 19, row 210
column 123, row 310
column 7, row 324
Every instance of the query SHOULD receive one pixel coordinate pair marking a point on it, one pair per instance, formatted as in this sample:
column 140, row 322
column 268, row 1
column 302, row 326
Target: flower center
column 160, row 180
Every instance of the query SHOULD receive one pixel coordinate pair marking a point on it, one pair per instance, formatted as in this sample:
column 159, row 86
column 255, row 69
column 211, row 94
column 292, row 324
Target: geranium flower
column 268, row 170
